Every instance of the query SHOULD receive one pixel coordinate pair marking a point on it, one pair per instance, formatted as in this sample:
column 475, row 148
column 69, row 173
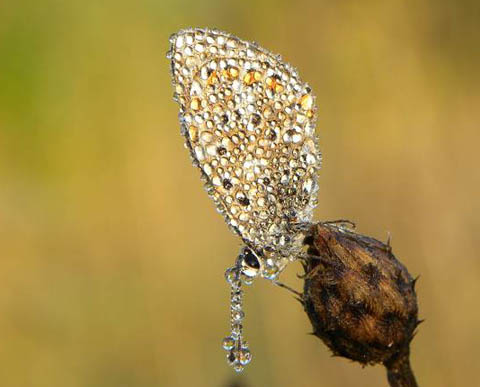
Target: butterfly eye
column 250, row 264
column 251, row 259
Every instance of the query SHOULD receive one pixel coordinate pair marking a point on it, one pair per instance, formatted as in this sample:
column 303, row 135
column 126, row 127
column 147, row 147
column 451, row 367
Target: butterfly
column 249, row 124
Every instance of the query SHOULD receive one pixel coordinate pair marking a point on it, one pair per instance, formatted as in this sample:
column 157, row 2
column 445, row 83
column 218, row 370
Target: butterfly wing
column 249, row 123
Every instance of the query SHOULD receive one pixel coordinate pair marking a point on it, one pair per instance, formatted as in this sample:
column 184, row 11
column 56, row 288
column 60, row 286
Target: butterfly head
column 251, row 262
column 260, row 263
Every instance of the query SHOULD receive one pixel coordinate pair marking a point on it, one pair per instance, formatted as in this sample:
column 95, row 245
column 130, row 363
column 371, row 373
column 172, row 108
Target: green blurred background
column 111, row 254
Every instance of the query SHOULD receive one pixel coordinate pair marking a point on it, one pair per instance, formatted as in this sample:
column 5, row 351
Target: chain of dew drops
column 238, row 354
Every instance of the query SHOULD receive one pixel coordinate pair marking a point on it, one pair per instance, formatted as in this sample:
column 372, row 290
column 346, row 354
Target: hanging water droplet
column 247, row 280
column 238, row 315
column 236, row 330
column 231, row 275
column 238, row 367
column 244, row 356
column 237, row 297
column 270, row 272
column 228, row 343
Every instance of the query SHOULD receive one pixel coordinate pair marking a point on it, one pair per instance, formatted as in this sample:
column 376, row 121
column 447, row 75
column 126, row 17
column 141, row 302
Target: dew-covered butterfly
column 249, row 124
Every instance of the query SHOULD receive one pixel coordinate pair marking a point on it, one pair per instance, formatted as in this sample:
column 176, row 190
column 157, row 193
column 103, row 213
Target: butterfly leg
column 299, row 296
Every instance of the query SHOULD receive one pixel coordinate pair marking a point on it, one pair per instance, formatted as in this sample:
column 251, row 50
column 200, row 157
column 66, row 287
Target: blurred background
column 112, row 255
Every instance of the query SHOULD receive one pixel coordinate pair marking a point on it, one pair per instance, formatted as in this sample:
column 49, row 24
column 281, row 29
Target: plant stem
column 399, row 371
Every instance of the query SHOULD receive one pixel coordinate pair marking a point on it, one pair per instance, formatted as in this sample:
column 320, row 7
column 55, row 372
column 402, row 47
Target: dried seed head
column 360, row 299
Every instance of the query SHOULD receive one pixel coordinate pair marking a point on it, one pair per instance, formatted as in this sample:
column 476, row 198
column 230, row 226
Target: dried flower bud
column 360, row 299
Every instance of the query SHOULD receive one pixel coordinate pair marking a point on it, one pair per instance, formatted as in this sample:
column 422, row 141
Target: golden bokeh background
column 111, row 254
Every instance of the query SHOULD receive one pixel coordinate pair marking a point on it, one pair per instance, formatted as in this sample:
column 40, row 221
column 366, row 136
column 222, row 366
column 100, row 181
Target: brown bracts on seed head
column 360, row 299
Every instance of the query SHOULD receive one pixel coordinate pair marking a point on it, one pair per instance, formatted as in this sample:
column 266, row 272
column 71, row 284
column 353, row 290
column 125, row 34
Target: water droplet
column 180, row 42
column 244, row 357
column 228, row 343
column 231, row 275
column 270, row 272
column 238, row 315
column 248, row 280
column 237, row 330
column 238, row 367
